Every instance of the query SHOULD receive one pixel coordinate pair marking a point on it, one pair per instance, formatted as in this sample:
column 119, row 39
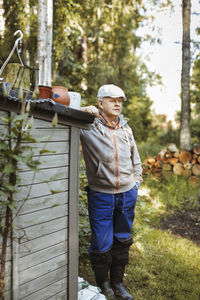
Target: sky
column 165, row 58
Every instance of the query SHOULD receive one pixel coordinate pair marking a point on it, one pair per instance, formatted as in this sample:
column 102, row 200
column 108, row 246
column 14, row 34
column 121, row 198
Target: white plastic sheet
column 88, row 292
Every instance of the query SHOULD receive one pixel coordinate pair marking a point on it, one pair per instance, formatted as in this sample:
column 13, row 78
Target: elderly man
column 113, row 168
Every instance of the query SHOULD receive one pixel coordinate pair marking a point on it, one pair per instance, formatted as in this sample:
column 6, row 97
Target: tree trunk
column 185, row 134
column 2, row 21
column 49, row 40
column 45, row 25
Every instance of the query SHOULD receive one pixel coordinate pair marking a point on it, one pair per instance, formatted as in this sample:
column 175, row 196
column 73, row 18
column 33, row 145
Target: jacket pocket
column 99, row 172
column 105, row 173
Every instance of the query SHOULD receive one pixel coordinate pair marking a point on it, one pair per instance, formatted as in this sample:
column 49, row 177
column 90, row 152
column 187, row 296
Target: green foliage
column 84, row 226
column 157, row 140
column 175, row 192
column 109, row 30
column 195, row 100
column 195, row 80
column 16, row 18
column 195, row 130
column 145, row 216
column 148, row 148
column 14, row 154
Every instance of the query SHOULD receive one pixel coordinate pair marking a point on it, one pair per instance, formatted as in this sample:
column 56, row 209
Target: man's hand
column 91, row 109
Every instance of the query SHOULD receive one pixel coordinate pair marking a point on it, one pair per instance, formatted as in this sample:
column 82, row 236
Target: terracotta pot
column 60, row 94
column 45, row 92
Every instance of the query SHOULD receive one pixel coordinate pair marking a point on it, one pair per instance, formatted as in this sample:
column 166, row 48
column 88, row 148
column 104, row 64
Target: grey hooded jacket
column 112, row 160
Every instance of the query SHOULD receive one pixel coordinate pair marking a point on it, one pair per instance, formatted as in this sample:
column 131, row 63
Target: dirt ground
column 185, row 224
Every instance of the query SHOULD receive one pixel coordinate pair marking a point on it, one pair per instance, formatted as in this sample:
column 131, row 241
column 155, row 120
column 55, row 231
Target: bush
column 174, row 191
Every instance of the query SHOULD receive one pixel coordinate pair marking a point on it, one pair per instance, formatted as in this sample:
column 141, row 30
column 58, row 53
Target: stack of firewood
column 170, row 159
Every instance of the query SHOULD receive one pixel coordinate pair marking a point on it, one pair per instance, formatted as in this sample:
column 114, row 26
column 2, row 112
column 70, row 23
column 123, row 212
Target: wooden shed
column 42, row 258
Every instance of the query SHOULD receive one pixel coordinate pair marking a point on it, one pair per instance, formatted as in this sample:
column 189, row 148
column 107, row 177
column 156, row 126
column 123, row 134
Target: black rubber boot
column 101, row 264
column 106, row 289
column 117, row 274
column 120, row 258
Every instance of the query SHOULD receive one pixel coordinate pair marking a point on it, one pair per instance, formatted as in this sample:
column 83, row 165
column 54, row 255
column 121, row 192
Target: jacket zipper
column 116, row 162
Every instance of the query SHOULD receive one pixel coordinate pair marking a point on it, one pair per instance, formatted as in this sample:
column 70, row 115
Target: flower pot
column 60, row 94
column 45, row 92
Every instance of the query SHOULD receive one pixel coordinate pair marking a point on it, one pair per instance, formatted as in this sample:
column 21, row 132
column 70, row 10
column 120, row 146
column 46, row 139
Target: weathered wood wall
column 43, row 258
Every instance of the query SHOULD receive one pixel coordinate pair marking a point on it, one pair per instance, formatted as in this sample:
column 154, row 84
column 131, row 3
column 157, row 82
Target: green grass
column 162, row 266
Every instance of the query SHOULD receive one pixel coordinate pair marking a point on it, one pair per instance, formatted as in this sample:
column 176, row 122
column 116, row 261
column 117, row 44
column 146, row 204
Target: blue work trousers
column 111, row 217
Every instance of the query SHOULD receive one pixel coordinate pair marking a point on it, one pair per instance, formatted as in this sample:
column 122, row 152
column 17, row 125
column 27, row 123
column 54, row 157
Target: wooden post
column 73, row 215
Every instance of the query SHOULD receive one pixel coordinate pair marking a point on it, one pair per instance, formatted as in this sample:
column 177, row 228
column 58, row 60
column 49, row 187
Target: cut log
column 187, row 166
column 178, row 169
column 196, row 170
column 185, row 156
column 186, row 173
column 194, row 181
column 173, row 160
column 193, row 161
column 198, row 159
column 166, row 167
column 172, row 148
column 196, row 148
column 158, row 164
column 194, row 156
column 176, row 154
column 161, row 154
column 168, row 154
column 166, row 160
column 151, row 160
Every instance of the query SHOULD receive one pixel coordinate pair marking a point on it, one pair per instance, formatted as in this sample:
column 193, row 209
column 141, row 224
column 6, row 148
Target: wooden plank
column 42, row 242
column 43, row 281
column 73, row 214
column 48, row 291
column 38, row 123
column 40, row 230
column 8, row 251
column 48, row 161
column 43, row 268
column 8, row 268
column 7, row 295
column 39, row 257
column 42, row 202
column 42, row 216
column 49, row 134
column 59, row 147
column 15, row 261
column 60, row 296
column 3, row 113
column 41, row 189
column 29, row 177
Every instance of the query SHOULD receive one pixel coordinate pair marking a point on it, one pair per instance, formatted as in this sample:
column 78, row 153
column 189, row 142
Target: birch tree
column 45, row 26
column 185, row 134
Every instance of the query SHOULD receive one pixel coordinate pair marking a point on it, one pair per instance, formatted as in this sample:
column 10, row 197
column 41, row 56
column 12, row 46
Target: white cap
column 110, row 90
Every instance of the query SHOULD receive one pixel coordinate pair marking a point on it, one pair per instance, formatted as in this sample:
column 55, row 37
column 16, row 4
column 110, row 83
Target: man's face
column 111, row 107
